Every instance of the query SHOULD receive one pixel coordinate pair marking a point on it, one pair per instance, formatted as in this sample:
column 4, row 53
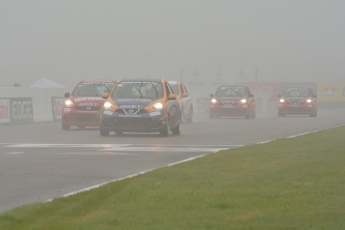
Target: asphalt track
column 40, row 161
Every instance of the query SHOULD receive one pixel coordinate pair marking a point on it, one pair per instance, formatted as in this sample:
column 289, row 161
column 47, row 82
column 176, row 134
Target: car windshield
column 175, row 88
column 93, row 89
column 138, row 89
column 296, row 92
column 231, row 91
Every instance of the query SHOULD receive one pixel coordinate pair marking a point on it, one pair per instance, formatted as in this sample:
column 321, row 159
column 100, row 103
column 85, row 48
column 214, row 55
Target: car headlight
column 157, row 106
column 308, row 100
column 69, row 103
column 281, row 100
column 108, row 105
column 214, row 101
column 243, row 101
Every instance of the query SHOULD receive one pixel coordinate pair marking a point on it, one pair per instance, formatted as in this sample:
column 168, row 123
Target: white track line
column 123, row 178
column 179, row 162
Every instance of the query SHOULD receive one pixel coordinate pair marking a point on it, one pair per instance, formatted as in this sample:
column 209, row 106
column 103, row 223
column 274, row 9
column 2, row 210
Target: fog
column 67, row 41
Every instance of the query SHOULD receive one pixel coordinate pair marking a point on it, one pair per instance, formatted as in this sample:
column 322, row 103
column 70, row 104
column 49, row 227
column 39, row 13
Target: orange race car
column 141, row 105
column 184, row 100
column 82, row 107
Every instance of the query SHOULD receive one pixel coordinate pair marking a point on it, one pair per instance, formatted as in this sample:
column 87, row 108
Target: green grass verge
column 296, row 183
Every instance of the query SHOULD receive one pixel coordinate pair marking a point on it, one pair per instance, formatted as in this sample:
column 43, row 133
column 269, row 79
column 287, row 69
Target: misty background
column 67, row 41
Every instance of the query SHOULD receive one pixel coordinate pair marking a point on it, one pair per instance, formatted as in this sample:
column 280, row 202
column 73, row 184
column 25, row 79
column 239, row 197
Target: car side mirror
column 185, row 94
column 67, row 95
column 172, row 96
column 105, row 95
column 279, row 95
column 211, row 95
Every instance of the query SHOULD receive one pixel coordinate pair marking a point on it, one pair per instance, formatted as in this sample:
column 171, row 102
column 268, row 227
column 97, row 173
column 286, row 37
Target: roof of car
column 232, row 85
column 142, row 79
column 99, row 80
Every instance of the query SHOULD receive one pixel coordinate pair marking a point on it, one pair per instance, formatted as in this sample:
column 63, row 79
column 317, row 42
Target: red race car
column 297, row 101
column 82, row 108
column 232, row 101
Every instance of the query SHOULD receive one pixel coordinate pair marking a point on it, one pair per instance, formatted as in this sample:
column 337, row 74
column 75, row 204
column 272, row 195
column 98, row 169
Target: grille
column 228, row 110
column 141, row 111
column 295, row 109
column 132, row 122
column 294, row 101
column 85, row 108
column 86, row 117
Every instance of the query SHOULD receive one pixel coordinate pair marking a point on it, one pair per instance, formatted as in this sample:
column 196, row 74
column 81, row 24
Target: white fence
column 19, row 104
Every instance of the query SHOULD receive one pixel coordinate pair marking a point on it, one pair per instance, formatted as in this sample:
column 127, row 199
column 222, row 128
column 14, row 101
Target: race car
column 184, row 100
column 82, row 107
column 232, row 101
column 297, row 101
column 141, row 105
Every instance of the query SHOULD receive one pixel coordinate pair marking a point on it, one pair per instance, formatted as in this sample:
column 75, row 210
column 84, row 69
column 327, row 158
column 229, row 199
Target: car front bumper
column 146, row 122
column 296, row 109
column 227, row 111
column 75, row 117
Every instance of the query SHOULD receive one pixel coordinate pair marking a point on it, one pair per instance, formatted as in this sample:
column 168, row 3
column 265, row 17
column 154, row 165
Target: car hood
column 134, row 101
column 87, row 99
column 295, row 99
column 229, row 99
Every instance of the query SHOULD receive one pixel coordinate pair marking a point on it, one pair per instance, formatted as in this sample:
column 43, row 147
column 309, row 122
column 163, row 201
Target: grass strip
column 295, row 183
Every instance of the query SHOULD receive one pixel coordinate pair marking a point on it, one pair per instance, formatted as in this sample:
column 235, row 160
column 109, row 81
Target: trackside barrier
column 16, row 110
column 22, row 105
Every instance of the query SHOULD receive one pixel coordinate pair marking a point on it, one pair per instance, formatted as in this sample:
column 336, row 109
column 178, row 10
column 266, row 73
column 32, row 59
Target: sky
column 71, row 40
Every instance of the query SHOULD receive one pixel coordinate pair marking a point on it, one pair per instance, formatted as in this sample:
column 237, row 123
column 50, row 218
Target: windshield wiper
column 106, row 88
column 141, row 96
column 96, row 91
column 157, row 94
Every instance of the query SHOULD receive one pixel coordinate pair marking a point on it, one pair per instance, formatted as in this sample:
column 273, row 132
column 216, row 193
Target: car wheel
column 65, row 127
column 165, row 130
column 253, row 116
column 313, row 114
column 176, row 130
column 247, row 116
column 104, row 132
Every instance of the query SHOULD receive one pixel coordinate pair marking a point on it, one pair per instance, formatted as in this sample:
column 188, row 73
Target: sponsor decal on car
column 88, row 104
column 66, row 110
column 88, row 98
column 107, row 112
column 157, row 113
column 130, row 106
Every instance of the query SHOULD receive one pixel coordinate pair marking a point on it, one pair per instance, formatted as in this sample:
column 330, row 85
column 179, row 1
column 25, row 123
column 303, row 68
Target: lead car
column 140, row 105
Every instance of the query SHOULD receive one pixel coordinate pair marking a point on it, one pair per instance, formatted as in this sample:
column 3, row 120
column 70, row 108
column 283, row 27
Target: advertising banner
column 5, row 111
column 331, row 92
column 267, row 90
column 57, row 103
column 265, row 94
column 21, row 110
